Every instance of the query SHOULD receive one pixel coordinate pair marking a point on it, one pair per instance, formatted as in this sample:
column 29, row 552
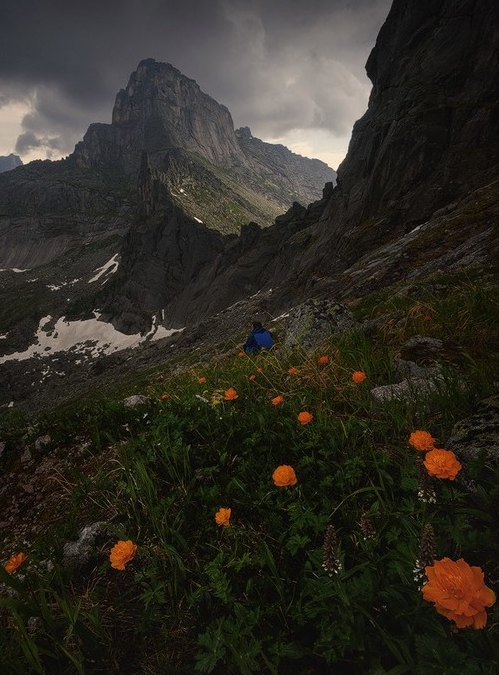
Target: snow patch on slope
column 108, row 268
column 90, row 337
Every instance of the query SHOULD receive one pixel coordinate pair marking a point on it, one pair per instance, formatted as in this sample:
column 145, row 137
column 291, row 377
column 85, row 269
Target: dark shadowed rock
column 479, row 433
column 429, row 138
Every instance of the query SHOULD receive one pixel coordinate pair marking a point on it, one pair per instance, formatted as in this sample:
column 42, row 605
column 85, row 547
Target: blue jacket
column 258, row 338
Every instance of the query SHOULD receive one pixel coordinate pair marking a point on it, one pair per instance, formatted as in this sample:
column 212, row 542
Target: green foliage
column 254, row 596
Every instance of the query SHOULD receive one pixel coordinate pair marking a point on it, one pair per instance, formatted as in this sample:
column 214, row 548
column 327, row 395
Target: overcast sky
column 291, row 70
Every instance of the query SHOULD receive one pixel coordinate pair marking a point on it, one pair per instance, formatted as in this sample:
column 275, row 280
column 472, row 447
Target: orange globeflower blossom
column 422, row 440
column 15, row 562
column 222, row 517
column 459, row 592
column 241, row 354
column 305, row 417
column 252, row 377
column 122, row 553
column 230, row 394
column 442, row 463
column 292, row 371
column 323, row 360
column 358, row 376
column 164, row 397
column 284, row 475
column 259, row 370
column 277, row 400
column 201, row 380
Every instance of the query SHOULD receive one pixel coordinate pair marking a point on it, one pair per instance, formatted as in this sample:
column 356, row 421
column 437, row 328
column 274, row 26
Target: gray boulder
column 79, row 552
column 314, row 321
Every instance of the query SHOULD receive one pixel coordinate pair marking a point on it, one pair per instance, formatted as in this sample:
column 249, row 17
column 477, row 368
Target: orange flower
column 427, row 317
column 284, row 475
column 323, row 360
column 15, row 562
column 252, row 377
column 230, row 394
column 292, row 371
column 442, row 463
column 241, row 354
column 222, row 517
column 164, row 397
column 122, row 553
column 277, row 400
column 259, row 370
column 358, row 376
column 201, row 380
column 305, row 417
column 422, row 440
column 459, row 592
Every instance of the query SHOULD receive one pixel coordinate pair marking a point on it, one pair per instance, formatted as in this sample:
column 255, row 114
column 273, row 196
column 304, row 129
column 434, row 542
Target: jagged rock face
column 306, row 176
column 161, row 112
column 429, row 136
column 161, row 109
column 49, row 208
column 182, row 272
column 9, row 162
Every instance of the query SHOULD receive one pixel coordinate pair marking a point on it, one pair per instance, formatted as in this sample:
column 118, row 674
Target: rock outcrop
column 165, row 116
column 430, row 135
column 9, row 162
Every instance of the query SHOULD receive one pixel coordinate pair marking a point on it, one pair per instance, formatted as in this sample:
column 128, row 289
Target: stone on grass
column 79, row 552
column 136, row 400
column 310, row 324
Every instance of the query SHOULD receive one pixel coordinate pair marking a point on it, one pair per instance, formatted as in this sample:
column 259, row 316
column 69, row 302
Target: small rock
column 407, row 390
column 78, row 552
column 135, row 400
column 41, row 441
column 26, row 456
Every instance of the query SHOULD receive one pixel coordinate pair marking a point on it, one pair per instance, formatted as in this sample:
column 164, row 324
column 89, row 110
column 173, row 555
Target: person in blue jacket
column 258, row 338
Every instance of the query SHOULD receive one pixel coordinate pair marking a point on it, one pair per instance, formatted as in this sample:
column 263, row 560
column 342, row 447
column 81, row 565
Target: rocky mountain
column 215, row 174
column 417, row 195
column 63, row 220
column 425, row 153
column 9, row 162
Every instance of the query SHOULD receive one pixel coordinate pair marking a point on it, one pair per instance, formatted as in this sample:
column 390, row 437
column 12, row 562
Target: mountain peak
column 9, row 162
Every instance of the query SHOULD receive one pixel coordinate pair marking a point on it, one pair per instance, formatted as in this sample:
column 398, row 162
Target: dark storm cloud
column 277, row 66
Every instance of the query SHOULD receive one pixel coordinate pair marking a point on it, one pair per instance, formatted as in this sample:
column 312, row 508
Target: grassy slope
column 253, row 597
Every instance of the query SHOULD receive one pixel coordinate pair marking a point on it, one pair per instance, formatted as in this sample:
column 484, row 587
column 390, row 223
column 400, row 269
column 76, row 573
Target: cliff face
column 164, row 115
column 160, row 109
column 430, row 134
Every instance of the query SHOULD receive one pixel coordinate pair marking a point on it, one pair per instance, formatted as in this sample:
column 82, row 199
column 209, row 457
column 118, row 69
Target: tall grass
column 263, row 594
